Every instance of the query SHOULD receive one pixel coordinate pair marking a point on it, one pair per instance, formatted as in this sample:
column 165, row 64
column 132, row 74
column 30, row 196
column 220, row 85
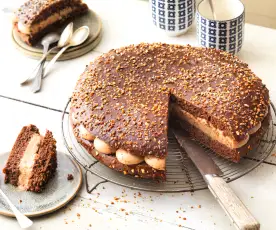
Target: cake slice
column 37, row 17
column 32, row 161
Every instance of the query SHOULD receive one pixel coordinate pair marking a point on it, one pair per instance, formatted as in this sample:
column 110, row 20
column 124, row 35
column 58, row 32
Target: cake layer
column 36, row 27
column 27, row 161
column 36, row 18
column 214, row 133
column 12, row 168
column 233, row 154
column 45, row 165
column 36, row 11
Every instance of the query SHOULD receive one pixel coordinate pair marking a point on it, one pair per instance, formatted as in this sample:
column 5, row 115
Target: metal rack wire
column 182, row 175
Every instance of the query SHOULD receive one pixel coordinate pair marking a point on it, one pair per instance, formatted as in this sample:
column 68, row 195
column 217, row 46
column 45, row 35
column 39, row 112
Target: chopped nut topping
column 123, row 96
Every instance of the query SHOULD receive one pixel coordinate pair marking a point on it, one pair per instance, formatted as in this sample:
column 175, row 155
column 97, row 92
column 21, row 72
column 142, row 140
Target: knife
column 232, row 205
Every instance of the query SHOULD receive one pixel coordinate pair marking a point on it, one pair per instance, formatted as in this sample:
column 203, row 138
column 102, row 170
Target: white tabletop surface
column 128, row 22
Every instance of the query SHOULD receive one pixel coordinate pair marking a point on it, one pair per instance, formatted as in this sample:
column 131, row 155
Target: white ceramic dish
column 58, row 192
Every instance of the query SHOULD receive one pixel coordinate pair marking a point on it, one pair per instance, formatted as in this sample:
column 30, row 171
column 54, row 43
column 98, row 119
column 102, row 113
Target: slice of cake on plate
column 37, row 17
column 32, row 161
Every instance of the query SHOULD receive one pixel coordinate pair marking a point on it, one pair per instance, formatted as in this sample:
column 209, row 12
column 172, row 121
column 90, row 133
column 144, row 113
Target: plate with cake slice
column 35, row 177
column 127, row 99
column 34, row 19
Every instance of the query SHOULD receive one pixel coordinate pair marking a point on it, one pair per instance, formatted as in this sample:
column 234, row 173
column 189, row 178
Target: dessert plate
column 89, row 19
column 58, row 192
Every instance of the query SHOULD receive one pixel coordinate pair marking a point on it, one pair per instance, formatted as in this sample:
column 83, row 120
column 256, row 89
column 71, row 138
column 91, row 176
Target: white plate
column 58, row 192
column 89, row 19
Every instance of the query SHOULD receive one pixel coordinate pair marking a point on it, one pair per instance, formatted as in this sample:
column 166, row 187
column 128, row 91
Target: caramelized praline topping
column 123, row 96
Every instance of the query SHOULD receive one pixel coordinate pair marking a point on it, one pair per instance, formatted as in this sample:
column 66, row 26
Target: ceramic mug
column 174, row 17
column 226, row 31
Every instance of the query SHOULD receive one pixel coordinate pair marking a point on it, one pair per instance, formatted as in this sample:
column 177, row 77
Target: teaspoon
column 79, row 36
column 46, row 42
column 211, row 3
column 63, row 41
column 23, row 221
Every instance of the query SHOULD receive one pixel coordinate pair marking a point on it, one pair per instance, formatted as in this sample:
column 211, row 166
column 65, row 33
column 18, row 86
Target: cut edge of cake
column 204, row 137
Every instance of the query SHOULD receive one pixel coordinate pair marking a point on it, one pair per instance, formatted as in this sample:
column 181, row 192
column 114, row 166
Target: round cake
column 125, row 100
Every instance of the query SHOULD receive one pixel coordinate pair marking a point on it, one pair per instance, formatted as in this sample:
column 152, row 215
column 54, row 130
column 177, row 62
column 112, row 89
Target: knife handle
column 232, row 205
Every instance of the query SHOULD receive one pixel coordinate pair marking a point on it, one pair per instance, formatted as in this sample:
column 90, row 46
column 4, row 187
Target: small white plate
column 58, row 192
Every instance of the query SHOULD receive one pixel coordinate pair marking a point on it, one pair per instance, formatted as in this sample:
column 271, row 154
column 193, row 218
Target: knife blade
column 198, row 155
column 229, row 201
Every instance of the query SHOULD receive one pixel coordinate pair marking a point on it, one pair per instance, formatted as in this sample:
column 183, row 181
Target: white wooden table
column 127, row 22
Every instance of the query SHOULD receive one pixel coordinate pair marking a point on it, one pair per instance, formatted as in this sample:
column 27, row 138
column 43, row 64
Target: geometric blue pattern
column 173, row 15
column 212, row 24
column 213, row 39
column 171, row 7
column 224, row 35
column 181, row 20
column 171, row 28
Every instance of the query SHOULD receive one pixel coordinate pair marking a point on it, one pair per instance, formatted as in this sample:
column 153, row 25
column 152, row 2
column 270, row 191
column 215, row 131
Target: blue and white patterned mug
column 226, row 31
column 175, row 17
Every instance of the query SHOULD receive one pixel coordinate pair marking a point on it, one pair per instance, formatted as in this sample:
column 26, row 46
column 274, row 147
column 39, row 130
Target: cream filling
column 32, row 29
column 255, row 129
column 213, row 132
column 27, row 161
column 127, row 158
column 85, row 134
column 103, row 147
column 156, row 163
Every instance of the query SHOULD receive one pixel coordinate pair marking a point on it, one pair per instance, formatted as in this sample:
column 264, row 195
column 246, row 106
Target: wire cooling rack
column 182, row 175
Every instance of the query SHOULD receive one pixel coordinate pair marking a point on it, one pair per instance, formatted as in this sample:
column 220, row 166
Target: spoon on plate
column 78, row 37
column 63, row 41
column 46, row 42
column 22, row 220
column 211, row 3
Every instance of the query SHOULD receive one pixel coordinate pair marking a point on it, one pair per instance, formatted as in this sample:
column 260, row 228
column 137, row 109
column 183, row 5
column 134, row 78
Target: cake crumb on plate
column 70, row 177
